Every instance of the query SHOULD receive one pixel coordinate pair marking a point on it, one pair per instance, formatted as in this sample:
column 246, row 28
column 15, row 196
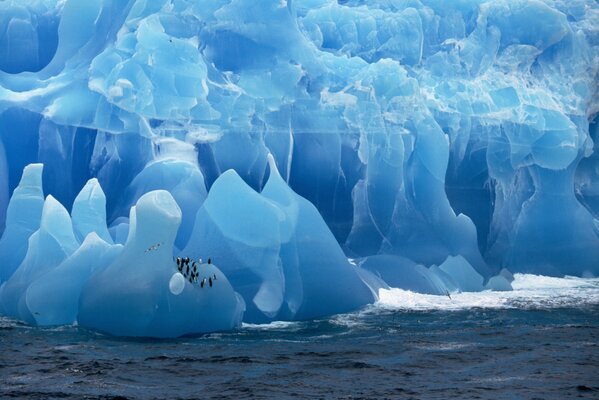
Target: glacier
column 315, row 151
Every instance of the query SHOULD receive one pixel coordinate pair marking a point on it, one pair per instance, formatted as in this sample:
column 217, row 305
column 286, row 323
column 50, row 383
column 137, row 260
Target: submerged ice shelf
column 318, row 151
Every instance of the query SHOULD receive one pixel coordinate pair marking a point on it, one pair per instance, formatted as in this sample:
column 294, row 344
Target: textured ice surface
column 132, row 295
column 89, row 212
column 49, row 246
column 23, row 218
column 433, row 142
column 53, row 299
column 276, row 250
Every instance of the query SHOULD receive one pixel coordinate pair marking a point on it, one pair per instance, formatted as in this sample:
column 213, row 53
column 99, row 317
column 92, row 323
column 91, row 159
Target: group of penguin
column 191, row 273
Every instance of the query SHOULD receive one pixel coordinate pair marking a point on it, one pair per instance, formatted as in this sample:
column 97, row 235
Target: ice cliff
column 314, row 150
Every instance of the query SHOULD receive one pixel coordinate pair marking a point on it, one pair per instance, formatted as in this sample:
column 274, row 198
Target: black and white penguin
column 210, row 281
column 214, row 277
column 209, row 261
column 203, row 282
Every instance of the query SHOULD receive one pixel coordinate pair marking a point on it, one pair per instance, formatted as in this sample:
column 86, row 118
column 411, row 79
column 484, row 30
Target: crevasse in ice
column 422, row 144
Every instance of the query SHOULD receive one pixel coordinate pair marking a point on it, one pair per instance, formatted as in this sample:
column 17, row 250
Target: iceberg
column 276, row 250
column 24, row 213
column 314, row 150
column 132, row 296
column 89, row 212
column 53, row 299
column 49, row 246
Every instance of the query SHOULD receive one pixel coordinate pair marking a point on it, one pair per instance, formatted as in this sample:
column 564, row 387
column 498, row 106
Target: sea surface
column 540, row 341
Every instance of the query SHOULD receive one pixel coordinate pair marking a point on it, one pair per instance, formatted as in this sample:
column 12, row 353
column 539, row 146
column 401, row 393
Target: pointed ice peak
column 56, row 222
column 277, row 190
column 22, row 219
column 32, row 176
column 274, row 171
column 89, row 211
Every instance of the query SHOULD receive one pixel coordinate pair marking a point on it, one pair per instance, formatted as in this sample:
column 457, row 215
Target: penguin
column 203, row 282
column 210, row 281
column 214, row 277
column 187, row 273
column 448, row 295
column 190, row 280
column 209, row 261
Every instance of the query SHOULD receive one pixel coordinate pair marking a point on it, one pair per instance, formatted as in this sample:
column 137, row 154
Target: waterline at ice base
column 178, row 167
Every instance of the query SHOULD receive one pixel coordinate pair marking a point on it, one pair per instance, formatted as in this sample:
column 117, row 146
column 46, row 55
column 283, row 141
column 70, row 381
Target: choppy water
column 539, row 341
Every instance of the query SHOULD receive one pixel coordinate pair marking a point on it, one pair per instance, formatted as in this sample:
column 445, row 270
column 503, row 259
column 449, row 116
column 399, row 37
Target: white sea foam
column 530, row 291
column 275, row 325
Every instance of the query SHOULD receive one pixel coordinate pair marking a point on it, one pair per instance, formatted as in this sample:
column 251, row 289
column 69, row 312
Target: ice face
column 183, row 180
column 399, row 272
column 133, row 295
column 276, row 250
column 239, row 230
column 53, row 299
column 463, row 275
column 318, row 277
column 89, row 212
column 23, row 218
column 438, row 142
column 49, row 246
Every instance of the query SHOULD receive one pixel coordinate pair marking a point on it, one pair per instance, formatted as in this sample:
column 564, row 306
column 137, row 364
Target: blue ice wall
column 423, row 132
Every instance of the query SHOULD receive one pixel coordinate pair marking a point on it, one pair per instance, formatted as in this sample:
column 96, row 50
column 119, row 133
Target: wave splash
column 530, row 292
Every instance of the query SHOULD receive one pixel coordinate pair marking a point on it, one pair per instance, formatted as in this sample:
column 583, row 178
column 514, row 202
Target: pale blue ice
column 314, row 150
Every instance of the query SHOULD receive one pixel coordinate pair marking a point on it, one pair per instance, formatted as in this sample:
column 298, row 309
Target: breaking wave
column 530, row 292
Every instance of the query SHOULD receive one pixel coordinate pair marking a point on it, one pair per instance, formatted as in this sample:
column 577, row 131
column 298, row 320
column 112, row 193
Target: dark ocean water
column 539, row 342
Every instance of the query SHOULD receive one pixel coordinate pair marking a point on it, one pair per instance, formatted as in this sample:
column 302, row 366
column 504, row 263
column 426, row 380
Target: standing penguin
column 203, row 282
column 210, row 281
column 214, row 277
column 209, row 261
